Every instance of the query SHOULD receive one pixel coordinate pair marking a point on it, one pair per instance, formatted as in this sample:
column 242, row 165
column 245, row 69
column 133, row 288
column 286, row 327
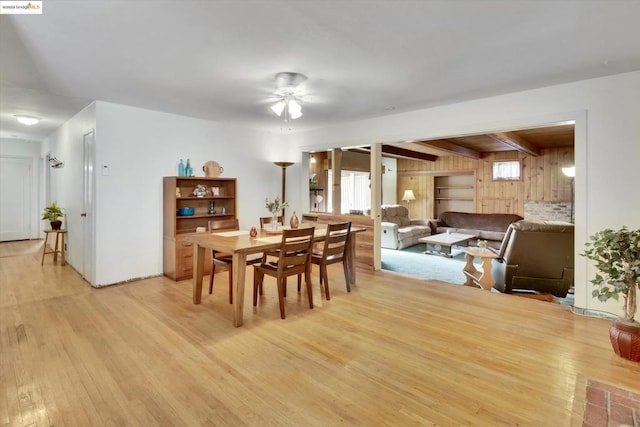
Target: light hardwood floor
column 395, row 351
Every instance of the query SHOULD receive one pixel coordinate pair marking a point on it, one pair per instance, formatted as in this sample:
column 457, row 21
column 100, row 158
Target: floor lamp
column 284, row 166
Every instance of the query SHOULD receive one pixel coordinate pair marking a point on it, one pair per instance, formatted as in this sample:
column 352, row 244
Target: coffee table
column 440, row 244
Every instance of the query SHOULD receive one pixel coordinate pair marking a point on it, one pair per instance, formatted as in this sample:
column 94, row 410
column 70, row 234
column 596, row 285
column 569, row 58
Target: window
column 355, row 195
column 506, row 171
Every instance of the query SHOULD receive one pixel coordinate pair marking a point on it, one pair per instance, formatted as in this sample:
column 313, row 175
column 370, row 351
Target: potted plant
column 616, row 254
column 52, row 213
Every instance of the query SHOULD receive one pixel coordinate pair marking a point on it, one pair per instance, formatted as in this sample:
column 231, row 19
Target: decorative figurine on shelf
column 200, row 190
column 253, row 232
column 181, row 170
column 212, row 208
column 294, row 220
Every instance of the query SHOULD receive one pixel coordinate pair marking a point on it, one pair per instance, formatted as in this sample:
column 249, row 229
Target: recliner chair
column 536, row 256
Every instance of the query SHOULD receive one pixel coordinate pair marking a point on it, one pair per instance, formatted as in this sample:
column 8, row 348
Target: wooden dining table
column 240, row 244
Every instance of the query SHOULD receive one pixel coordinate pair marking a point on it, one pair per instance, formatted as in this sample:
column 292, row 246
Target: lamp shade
column 278, row 107
column 408, row 196
column 569, row 171
column 295, row 110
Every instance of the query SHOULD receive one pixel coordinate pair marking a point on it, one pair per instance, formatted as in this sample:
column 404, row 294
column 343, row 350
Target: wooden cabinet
column 219, row 202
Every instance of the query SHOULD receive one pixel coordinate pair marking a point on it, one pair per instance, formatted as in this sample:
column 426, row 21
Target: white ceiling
column 217, row 60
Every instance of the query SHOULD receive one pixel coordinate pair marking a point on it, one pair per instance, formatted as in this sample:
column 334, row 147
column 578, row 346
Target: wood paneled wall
column 542, row 180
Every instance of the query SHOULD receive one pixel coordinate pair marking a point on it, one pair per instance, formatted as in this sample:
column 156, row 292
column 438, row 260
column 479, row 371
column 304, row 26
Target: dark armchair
column 536, row 256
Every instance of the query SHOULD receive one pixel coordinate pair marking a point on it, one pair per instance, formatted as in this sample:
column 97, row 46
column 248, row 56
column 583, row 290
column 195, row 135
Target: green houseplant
column 275, row 207
column 53, row 213
column 616, row 254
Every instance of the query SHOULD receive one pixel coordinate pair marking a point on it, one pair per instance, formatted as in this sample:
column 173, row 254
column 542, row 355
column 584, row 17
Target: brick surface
column 595, row 415
column 596, row 396
column 610, row 406
column 619, row 414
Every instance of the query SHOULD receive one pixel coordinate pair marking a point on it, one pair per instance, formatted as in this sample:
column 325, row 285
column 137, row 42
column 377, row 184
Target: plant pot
column 56, row 225
column 625, row 339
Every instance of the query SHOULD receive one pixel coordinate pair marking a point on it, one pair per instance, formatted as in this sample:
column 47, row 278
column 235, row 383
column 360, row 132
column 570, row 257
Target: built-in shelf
column 454, row 193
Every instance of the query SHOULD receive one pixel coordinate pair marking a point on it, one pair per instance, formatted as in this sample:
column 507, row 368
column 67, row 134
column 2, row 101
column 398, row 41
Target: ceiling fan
column 288, row 95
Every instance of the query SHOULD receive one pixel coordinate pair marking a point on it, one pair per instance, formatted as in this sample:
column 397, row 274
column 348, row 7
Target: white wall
column 66, row 144
column 30, row 150
column 142, row 146
column 607, row 143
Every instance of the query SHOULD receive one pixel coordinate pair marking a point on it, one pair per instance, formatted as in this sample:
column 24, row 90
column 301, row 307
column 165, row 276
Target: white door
column 87, row 212
column 15, row 196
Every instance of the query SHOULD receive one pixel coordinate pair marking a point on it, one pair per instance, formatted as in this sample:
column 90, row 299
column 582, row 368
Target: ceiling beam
column 451, row 148
column 516, row 142
column 392, row 149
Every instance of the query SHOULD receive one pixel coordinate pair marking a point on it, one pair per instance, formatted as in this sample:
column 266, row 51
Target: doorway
column 15, row 198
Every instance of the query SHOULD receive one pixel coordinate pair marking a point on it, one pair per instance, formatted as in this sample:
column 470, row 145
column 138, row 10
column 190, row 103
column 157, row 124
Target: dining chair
column 264, row 220
column 334, row 250
column 294, row 259
column 224, row 260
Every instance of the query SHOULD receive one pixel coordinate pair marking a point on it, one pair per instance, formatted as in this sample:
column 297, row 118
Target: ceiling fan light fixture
column 278, row 107
column 27, row 120
column 288, row 95
column 295, row 109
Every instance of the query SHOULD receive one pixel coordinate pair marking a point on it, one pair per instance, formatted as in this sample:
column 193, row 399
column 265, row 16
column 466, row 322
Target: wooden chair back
column 295, row 251
column 264, row 220
column 335, row 243
column 223, row 224
column 309, row 218
column 294, row 258
column 221, row 260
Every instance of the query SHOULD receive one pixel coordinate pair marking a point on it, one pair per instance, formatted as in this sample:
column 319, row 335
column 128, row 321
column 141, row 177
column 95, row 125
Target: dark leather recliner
column 536, row 256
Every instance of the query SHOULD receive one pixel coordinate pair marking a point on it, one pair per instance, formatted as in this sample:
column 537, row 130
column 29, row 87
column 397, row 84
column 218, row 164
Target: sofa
column 489, row 227
column 398, row 230
column 536, row 256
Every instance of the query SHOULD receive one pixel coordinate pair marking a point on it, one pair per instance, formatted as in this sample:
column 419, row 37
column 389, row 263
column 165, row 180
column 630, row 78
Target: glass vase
column 274, row 221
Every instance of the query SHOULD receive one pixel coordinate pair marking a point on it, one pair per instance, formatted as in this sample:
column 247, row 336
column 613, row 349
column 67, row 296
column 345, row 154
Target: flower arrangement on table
column 275, row 207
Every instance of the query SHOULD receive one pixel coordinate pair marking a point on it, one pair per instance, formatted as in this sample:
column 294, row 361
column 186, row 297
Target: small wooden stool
column 55, row 251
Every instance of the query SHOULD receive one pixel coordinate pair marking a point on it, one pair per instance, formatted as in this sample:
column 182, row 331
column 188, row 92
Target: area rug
column 414, row 262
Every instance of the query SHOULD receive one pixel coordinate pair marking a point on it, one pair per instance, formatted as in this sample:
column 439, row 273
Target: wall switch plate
column 105, row 170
